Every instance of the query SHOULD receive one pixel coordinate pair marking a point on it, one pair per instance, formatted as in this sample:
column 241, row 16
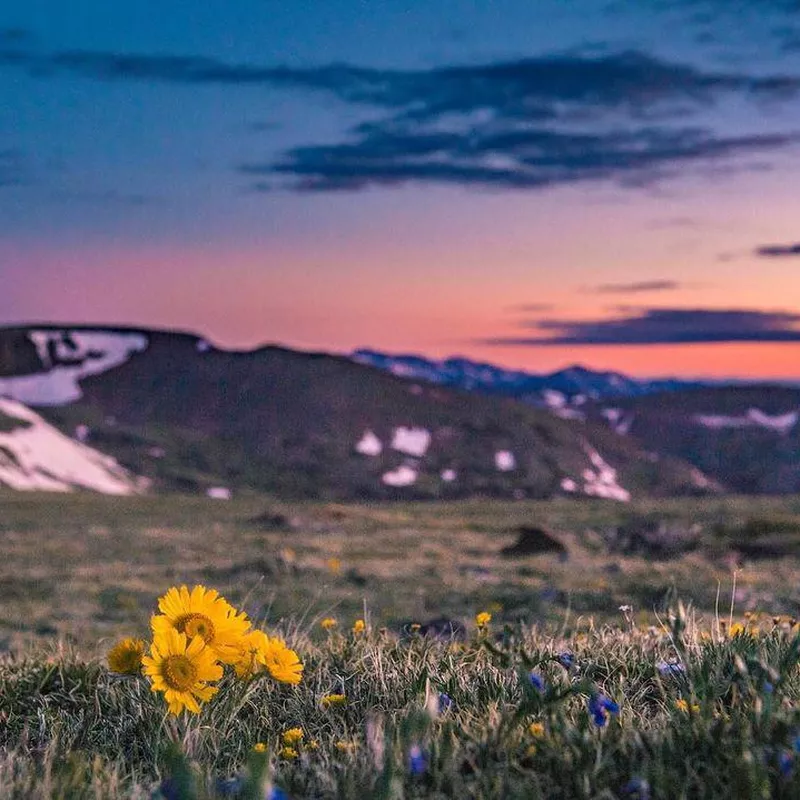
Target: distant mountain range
column 184, row 415
column 575, row 382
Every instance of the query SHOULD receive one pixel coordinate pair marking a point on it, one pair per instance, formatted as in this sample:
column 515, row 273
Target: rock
column 533, row 541
column 271, row 521
column 438, row 628
column 653, row 537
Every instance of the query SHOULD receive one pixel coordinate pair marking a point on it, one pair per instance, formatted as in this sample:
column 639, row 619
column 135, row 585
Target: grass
column 80, row 572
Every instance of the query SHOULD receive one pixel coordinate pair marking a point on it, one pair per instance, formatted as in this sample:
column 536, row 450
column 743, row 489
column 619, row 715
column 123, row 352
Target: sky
column 532, row 183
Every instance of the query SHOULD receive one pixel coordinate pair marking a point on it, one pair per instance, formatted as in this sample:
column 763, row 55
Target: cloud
column 532, row 308
column 778, row 250
column 527, row 123
column 525, row 88
column 634, row 288
column 524, row 159
column 654, row 326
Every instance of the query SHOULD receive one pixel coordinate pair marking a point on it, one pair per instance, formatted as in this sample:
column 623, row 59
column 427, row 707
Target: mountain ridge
column 175, row 409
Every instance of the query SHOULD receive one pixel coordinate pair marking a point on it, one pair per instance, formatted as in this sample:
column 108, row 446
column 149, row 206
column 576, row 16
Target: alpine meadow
column 400, row 400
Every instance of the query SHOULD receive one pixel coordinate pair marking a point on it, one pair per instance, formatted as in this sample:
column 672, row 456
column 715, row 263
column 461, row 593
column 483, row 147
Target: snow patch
column 554, row 399
column 569, row 485
column 404, row 475
column 569, row 413
column 202, row 346
column 504, row 460
column 219, row 493
column 369, row 444
column 754, row 418
column 69, row 356
column 448, row 475
column 39, row 457
column 700, row 480
column 616, row 418
column 411, row 441
column 82, row 433
column 602, row 480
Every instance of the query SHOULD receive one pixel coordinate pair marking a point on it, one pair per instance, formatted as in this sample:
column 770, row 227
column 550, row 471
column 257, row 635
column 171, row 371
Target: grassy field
column 704, row 710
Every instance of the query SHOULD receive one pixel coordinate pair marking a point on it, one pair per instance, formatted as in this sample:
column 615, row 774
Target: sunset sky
column 533, row 183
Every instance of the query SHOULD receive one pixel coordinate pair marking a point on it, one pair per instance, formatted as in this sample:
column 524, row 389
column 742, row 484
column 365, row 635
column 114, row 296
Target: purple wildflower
column 537, row 681
column 637, row 788
column 445, row 702
column 417, row 761
column 670, row 668
column 600, row 706
column 566, row 659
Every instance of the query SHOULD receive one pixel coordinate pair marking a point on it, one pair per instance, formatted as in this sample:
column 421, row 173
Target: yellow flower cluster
column 196, row 634
column 483, row 619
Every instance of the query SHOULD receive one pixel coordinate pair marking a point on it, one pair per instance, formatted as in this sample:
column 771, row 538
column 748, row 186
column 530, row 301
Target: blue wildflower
column 445, row 702
column 170, row 789
column 417, row 761
column 637, row 788
column 229, row 787
column 785, row 763
column 600, row 706
column 768, row 688
column 276, row 793
column 537, row 681
column 566, row 659
column 796, row 743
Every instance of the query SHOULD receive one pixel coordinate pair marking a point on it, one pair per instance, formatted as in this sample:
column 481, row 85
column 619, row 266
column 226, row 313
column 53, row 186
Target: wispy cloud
column 636, row 287
column 655, row 326
column 778, row 250
column 530, row 159
column 531, row 308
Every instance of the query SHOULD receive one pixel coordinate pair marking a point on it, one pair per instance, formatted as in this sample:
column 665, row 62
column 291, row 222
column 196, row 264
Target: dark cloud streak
column 778, row 250
column 634, row 288
column 656, row 326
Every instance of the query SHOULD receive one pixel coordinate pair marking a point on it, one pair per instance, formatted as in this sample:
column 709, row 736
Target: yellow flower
column 683, row 705
column 180, row 668
column 530, row 752
column 328, row 623
column 293, row 736
column 259, row 747
column 333, row 700
column 536, row 729
column 359, row 626
column 414, row 627
column 125, row 657
column 259, row 650
column 346, row 747
column 204, row 613
column 288, row 753
column 737, row 629
column 334, row 565
column 282, row 663
column 483, row 619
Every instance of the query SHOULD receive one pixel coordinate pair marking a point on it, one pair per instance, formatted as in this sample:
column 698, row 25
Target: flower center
column 179, row 673
column 130, row 661
column 196, row 625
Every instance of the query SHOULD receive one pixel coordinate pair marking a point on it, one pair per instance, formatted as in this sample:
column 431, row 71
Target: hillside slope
column 190, row 416
column 745, row 437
